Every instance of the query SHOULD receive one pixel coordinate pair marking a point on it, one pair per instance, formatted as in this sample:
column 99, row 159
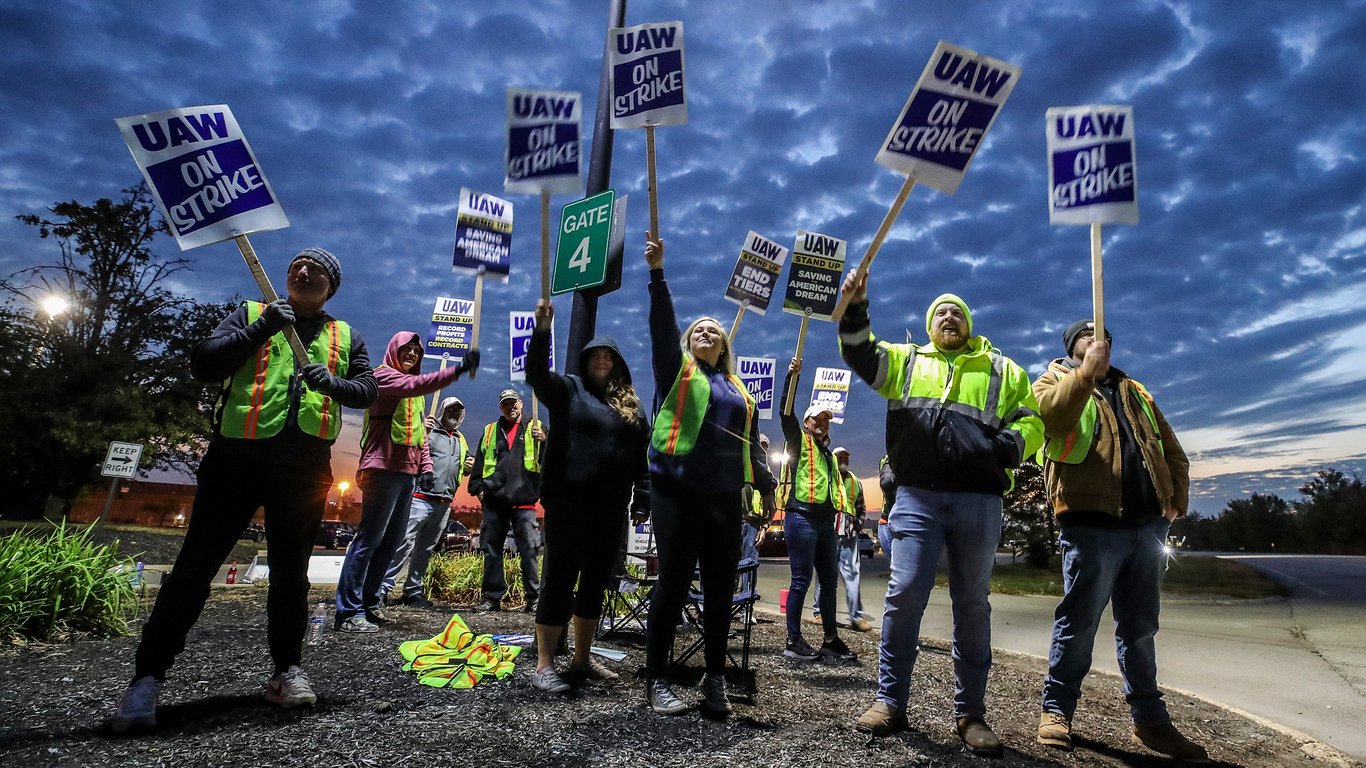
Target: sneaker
column 836, row 650
column 881, row 719
column 814, row 620
column 1055, row 731
column 714, row 701
column 530, row 606
column 978, row 738
column 1164, row 738
column 549, row 680
column 799, row 649
column 489, row 606
column 860, row 625
column 662, row 699
column 356, row 624
column 593, row 670
column 138, row 705
column 376, row 615
column 291, row 689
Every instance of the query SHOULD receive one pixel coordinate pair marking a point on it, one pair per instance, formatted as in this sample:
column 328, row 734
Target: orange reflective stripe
column 333, row 354
column 258, row 391
column 676, row 427
column 1068, row 444
column 809, row 443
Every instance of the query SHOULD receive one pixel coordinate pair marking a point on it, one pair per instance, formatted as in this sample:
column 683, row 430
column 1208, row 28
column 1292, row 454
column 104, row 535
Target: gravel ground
column 54, row 699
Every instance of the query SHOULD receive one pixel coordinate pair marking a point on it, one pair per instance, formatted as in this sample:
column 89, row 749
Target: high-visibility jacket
column 1074, row 447
column 256, row 399
column 406, row 426
column 815, row 477
column 531, row 462
column 685, row 406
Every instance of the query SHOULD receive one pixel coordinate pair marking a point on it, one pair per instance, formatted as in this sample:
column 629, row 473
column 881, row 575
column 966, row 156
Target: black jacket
column 511, row 483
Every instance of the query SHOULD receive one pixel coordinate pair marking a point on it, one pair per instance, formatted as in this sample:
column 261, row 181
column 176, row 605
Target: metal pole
column 583, row 318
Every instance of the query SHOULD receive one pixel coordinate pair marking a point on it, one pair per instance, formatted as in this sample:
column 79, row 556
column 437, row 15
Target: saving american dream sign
column 202, row 173
column 947, row 116
column 813, row 283
column 646, row 66
column 483, row 235
column 543, row 146
column 1092, row 168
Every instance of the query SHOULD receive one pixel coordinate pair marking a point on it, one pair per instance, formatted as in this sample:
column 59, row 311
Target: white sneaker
column 291, row 689
column 138, row 705
column 549, row 680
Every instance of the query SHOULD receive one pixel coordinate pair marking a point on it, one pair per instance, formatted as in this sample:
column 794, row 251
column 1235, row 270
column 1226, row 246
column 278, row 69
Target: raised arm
column 552, row 388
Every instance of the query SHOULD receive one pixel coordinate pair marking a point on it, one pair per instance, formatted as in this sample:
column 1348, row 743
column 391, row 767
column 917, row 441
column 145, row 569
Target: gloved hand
column 319, row 379
column 470, row 363
column 426, row 481
column 277, row 316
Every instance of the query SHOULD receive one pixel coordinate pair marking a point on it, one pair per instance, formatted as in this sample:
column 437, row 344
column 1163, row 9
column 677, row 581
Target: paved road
column 1300, row 661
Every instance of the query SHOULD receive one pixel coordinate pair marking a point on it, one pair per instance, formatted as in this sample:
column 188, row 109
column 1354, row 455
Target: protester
column 507, row 481
column 394, row 458
column 595, row 463
column 271, row 447
column 753, row 527
column 1117, row 477
column 886, row 482
column 850, row 526
column 431, row 507
column 704, row 463
column 810, row 523
column 960, row 416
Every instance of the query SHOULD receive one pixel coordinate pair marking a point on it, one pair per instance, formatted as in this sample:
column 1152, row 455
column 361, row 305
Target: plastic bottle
column 232, row 573
column 137, row 579
column 315, row 625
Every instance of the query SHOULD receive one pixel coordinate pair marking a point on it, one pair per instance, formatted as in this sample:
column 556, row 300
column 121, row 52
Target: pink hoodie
column 394, row 385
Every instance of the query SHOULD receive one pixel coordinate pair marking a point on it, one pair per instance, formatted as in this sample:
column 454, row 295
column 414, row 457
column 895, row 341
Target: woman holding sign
column 595, row 457
column 704, row 461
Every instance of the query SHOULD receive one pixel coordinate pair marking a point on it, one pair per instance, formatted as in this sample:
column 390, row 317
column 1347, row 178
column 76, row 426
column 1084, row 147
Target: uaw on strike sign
column 1092, row 171
column 203, row 174
column 944, row 121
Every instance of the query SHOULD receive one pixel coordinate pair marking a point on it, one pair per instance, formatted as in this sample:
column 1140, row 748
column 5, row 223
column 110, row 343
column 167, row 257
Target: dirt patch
column 53, row 701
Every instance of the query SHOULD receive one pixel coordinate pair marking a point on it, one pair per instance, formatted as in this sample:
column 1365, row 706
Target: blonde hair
column 723, row 362
column 622, row 398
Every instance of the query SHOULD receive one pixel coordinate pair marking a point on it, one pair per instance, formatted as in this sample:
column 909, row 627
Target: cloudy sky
column 1238, row 298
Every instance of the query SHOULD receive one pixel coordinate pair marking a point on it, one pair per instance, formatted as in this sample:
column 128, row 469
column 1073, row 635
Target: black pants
column 582, row 544
column 692, row 530
column 493, row 533
column 231, row 488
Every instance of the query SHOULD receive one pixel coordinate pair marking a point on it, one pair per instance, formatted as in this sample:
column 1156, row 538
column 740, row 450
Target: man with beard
column 960, row 416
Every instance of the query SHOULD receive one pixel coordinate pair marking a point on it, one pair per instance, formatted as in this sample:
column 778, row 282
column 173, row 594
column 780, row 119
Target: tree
column 1259, row 523
column 1029, row 516
column 1332, row 515
column 112, row 366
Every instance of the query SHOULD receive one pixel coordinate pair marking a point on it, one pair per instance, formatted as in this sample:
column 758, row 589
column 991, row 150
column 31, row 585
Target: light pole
column 341, row 496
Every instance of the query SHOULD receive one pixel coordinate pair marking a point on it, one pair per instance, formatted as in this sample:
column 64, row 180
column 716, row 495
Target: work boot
column 978, row 737
column 662, row 699
column 592, row 670
column 138, row 705
column 881, row 719
column 1164, row 738
column 1055, row 731
column 714, row 701
column 860, row 625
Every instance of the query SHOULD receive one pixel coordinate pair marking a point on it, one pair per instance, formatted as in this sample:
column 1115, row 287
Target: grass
column 457, row 577
column 138, row 542
column 1188, row 575
column 55, row 581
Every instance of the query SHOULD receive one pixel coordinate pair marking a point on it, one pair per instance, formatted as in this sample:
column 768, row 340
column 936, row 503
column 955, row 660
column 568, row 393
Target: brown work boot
column 1055, row 731
column 881, row 719
column 860, row 625
column 1164, row 738
column 978, row 737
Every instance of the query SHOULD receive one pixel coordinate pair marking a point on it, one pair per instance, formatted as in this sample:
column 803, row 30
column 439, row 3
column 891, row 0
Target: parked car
column 456, row 538
column 775, row 542
column 865, row 544
column 334, row 534
column 253, row 532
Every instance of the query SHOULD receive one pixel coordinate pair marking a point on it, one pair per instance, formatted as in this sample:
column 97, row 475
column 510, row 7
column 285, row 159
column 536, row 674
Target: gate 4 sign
column 585, row 235
column 756, row 272
column 1092, row 173
column 122, row 459
column 203, row 174
column 943, row 123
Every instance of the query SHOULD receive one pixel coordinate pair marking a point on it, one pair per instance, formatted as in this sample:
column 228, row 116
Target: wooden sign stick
column 873, row 247
column 545, row 245
column 653, row 181
column 478, row 301
column 801, row 344
column 436, row 396
column 268, row 293
column 1097, row 282
column 735, row 326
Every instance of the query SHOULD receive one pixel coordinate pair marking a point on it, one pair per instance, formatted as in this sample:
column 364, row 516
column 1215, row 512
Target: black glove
column 277, row 316
column 319, row 379
column 470, row 363
column 425, row 481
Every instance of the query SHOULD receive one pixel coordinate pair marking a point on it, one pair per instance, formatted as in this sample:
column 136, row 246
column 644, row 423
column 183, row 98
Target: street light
column 54, row 305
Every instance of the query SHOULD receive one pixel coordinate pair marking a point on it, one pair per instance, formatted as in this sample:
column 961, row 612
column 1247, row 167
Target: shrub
column 456, row 577
column 56, row 582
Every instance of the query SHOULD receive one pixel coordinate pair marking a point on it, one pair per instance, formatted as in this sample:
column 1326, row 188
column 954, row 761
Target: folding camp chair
column 626, row 603
column 740, row 680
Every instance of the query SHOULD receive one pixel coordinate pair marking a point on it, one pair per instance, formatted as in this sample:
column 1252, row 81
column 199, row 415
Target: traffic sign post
column 585, row 237
column 121, row 461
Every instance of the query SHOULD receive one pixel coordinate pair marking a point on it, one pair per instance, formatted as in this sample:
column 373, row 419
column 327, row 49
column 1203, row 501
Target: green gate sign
column 585, row 234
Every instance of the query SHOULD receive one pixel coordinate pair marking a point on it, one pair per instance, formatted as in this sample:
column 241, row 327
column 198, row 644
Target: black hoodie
column 593, row 456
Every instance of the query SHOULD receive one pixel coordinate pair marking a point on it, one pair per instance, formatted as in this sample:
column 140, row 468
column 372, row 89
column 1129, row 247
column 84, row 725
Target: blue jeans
column 1124, row 567
column 922, row 523
column 426, row 523
column 811, row 546
column 884, row 540
column 849, row 573
column 384, row 507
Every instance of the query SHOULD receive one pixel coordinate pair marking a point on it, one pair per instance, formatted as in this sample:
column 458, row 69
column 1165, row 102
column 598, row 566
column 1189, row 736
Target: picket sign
column 1097, row 282
column 871, row 253
column 268, row 293
column 478, row 303
column 735, row 326
column 792, row 384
